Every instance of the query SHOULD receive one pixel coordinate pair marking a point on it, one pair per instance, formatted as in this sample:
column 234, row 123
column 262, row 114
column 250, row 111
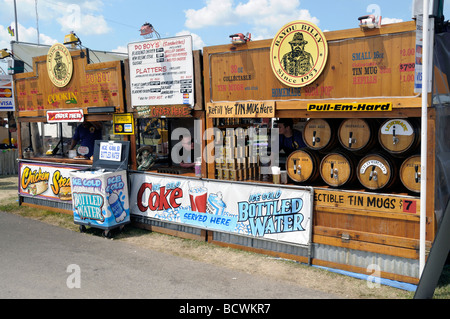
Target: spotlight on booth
column 240, row 38
column 369, row 22
column 4, row 54
column 72, row 39
column 147, row 31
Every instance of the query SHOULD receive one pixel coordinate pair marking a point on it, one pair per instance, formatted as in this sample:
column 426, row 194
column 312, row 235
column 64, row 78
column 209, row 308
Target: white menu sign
column 110, row 151
column 162, row 72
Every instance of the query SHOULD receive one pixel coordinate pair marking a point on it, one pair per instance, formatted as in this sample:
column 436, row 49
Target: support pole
column 424, row 129
column 15, row 19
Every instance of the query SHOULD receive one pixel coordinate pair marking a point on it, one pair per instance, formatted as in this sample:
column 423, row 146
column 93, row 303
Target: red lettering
column 176, row 193
column 141, row 191
column 165, row 199
column 163, row 203
column 152, row 70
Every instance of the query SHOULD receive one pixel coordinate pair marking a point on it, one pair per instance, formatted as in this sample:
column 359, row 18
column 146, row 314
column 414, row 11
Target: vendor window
column 165, row 144
column 57, row 139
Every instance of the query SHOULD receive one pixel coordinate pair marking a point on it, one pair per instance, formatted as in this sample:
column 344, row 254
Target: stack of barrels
column 340, row 152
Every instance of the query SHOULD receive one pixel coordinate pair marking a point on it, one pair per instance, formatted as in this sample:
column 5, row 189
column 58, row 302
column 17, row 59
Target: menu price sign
column 110, row 151
column 162, row 72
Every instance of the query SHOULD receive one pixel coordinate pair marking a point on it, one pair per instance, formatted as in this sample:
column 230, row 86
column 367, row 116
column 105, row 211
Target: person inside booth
column 187, row 152
column 290, row 138
column 85, row 136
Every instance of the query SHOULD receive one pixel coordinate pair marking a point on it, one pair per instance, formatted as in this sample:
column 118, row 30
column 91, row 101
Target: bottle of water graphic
column 116, row 207
column 215, row 204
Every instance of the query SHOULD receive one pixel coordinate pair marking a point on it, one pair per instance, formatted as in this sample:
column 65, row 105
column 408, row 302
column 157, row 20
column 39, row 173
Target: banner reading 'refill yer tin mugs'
column 267, row 212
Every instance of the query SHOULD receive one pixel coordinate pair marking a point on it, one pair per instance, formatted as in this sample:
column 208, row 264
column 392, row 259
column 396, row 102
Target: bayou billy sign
column 298, row 53
column 59, row 65
column 275, row 213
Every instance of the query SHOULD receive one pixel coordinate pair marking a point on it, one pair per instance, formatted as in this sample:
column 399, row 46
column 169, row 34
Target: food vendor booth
column 352, row 95
column 166, row 99
column 64, row 92
column 183, row 200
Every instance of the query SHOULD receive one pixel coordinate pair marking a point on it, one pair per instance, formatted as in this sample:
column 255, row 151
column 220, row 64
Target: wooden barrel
column 377, row 171
column 410, row 173
column 338, row 168
column 358, row 135
column 399, row 136
column 303, row 165
column 320, row 134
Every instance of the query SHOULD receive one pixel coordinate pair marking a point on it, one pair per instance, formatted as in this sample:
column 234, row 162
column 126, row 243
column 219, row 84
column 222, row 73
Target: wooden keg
column 357, row 135
column 377, row 171
column 399, row 136
column 303, row 165
column 320, row 134
column 338, row 168
column 410, row 173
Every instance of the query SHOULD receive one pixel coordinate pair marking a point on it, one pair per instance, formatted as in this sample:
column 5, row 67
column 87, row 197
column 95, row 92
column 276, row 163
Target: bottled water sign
column 110, row 151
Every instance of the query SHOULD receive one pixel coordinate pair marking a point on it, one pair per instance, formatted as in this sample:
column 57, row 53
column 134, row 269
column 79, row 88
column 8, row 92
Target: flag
column 11, row 31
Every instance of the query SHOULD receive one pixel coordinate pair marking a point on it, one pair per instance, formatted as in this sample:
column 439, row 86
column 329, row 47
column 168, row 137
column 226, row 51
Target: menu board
column 92, row 85
column 162, row 72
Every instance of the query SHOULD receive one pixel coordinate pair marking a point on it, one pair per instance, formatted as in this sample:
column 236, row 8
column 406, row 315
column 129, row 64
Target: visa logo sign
column 6, row 103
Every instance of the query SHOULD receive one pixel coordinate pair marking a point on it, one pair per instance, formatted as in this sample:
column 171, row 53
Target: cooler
column 100, row 195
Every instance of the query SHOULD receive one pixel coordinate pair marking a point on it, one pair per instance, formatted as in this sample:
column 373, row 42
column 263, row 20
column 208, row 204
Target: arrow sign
column 61, row 116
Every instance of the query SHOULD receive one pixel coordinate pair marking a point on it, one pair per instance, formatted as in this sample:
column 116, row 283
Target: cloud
column 216, row 12
column 197, row 42
column 120, row 49
column 267, row 16
column 72, row 15
column 25, row 35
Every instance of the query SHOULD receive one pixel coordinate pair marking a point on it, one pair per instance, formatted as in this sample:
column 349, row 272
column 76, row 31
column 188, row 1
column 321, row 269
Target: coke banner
column 271, row 212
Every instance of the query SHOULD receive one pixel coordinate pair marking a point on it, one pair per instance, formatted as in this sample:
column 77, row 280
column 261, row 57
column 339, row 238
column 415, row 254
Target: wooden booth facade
column 348, row 199
column 360, row 119
column 62, row 92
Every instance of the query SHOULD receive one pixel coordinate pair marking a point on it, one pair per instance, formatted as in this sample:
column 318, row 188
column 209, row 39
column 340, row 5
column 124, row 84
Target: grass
column 443, row 288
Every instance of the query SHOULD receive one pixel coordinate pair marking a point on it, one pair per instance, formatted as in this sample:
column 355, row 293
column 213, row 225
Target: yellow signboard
column 382, row 203
column 244, row 109
column 298, row 53
column 340, row 107
column 123, row 124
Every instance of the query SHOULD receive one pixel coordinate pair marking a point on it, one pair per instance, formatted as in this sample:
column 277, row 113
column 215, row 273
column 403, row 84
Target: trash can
column 100, row 197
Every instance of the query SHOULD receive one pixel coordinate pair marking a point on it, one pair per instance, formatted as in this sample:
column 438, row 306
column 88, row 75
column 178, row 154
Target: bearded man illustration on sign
column 60, row 69
column 298, row 62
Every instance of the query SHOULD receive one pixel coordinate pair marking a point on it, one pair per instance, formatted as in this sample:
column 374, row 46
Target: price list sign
column 162, row 72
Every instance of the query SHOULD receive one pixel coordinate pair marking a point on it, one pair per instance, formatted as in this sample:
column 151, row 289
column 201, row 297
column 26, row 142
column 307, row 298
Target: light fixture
column 101, row 109
column 4, row 54
column 147, row 31
column 369, row 22
column 72, row 39
column 14, row 65
column 240, row 38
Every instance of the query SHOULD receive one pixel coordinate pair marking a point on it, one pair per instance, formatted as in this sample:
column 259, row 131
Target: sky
column 110, row 25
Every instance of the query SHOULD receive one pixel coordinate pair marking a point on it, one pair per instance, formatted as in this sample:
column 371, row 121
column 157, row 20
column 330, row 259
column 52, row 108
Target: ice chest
column 100, row 196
